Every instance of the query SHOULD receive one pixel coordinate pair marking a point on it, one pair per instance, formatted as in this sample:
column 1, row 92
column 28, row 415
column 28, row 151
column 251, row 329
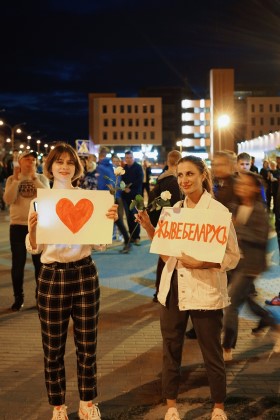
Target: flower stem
column 130, row 237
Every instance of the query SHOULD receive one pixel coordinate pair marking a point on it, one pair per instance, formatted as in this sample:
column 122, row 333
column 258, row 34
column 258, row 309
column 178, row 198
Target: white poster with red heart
column 73, row 216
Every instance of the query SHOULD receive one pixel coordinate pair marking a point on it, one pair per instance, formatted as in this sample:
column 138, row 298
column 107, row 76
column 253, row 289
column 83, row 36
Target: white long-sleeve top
column 202, row 289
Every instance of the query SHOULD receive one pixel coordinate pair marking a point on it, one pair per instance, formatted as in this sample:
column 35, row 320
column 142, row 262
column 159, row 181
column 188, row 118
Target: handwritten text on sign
column 199, row 233
column 73, row 216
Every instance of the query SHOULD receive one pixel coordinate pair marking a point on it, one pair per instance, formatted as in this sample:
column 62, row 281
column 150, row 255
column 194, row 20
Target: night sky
column 54, row 52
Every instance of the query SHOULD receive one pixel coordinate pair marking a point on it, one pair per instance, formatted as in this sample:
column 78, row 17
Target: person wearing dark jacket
column 105, row 169
column 167, row 181
column 133, row 179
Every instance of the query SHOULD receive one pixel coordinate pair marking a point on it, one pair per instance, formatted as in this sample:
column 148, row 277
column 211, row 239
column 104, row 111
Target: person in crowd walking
column 20, row 189
column 68, row 285
column 133, row 178
column 265, row 174
column 251, row 223
column 147, row 172
column 223, row 166
column 167, row 181
column 105, row 170
column 196, row 289
column 253, row 167
column 274, row 177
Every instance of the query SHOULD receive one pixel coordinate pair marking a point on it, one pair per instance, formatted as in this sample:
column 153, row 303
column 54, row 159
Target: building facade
column 196, row 123
column 124, row 122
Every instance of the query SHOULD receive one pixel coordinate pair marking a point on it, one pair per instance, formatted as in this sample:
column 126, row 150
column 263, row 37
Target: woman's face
column 63, row 168
column 189, row 178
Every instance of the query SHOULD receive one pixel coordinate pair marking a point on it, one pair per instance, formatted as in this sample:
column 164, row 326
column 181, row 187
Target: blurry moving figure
column 251, row 224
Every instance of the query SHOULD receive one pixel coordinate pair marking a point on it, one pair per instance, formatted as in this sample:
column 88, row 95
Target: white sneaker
column 89, row 412
column 218, row 414
column 60, row 413
column 227, row 355
column 172, row 414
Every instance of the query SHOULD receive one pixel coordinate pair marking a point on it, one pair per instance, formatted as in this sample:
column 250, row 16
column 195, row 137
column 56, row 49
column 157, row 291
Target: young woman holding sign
column 197, row 289
column 68, row 286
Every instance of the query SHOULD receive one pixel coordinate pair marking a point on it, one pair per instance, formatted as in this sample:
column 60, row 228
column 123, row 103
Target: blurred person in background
column 167, row 181
column 253, row 167
column 133, row 179
column 21, row 188
column 105, row 169
column 250, row 220
column 147, row 172
column 223, row 172
column 117, row 163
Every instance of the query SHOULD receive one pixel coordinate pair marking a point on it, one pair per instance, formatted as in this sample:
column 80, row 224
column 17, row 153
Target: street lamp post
column 14, row 129
column 29, row 138
column 223, row 121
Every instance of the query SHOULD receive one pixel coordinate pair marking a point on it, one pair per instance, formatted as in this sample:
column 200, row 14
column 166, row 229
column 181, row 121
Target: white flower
column 165, row 195
column 119, row 171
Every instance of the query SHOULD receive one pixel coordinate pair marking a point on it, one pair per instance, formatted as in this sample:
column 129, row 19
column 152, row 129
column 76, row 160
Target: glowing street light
column 223, row 121
column 29, row 138
column 14, row 129
column 38, row 145
column 180, row 144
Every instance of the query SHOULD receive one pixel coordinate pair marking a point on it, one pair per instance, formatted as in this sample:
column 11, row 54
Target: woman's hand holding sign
column 191, row 263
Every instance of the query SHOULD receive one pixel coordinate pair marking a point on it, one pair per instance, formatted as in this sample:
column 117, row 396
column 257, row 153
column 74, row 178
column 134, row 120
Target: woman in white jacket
column 196, row 289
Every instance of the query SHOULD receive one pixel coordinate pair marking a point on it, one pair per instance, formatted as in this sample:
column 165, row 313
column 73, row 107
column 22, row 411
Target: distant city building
column 256, row 115
column 125, row 122
column 196, row 123
column 172, row 97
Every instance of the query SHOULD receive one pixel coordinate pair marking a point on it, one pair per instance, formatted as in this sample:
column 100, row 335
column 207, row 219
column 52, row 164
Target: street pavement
column 129, row 348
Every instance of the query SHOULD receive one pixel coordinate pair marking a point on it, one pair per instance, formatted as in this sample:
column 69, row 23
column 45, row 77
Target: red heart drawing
column 74, row 217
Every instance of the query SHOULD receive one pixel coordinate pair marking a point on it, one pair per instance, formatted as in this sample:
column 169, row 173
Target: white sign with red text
column 200, row 233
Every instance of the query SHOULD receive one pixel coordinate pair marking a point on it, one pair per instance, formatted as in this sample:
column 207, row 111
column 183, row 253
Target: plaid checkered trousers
column 69, row 290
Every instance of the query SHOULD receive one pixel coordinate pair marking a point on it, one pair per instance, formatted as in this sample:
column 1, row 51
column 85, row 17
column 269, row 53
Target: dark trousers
column 133, row 227
column 240, row 292
column 18, row 249
column 119, row 223
column 208, row 328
